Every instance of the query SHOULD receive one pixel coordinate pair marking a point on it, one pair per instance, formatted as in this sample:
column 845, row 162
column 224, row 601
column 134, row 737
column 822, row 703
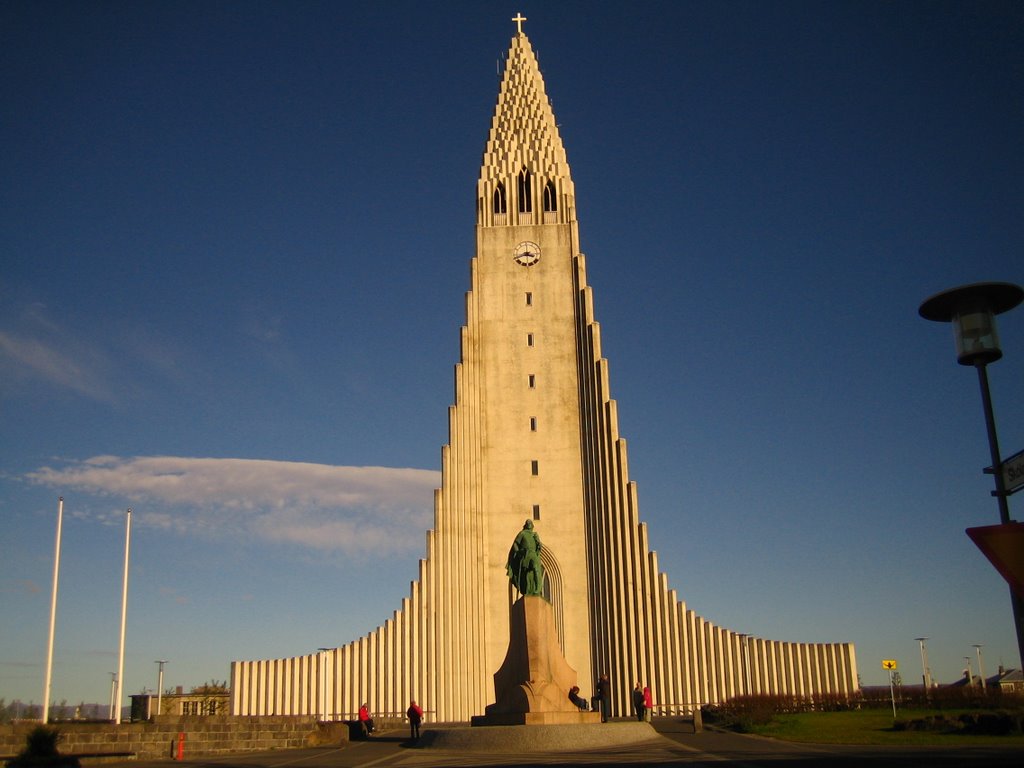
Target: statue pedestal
column 532, row 685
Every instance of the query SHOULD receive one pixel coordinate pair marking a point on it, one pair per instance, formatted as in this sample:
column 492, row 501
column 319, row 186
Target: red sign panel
column 1003, row 545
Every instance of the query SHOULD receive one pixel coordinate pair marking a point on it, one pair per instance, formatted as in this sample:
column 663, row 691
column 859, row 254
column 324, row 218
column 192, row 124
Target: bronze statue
column 524, row 567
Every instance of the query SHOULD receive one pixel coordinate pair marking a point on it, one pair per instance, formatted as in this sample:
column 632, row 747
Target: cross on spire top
column 519, row 19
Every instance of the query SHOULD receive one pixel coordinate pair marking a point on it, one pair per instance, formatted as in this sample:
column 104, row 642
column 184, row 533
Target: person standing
column 638, row 702
column 648, row 702
column 604, row 693
column 415, row 715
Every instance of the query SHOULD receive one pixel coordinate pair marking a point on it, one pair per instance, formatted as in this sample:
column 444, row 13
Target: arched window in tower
column 525, row 191
column 550, row 198
column 500, row 203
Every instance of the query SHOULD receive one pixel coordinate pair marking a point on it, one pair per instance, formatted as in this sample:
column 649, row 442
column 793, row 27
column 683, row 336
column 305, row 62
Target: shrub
column 42, row 742
column 945, row 697
column 989, row 723
column 744, row 713
column 41, row 751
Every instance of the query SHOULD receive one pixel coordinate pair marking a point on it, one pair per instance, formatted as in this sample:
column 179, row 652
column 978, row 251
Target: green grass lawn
column 870, row 726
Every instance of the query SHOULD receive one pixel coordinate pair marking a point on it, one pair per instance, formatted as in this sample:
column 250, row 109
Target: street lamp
column 972, row 310
column 981, row 669
column 925, row 674
column 160, row 686
column 113, row 693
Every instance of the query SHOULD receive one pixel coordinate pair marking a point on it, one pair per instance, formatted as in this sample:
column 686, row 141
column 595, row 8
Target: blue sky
column 234, row 243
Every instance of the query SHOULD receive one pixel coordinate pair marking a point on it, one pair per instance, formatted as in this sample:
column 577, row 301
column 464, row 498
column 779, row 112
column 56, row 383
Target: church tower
column 520, row 343
column 533, row 435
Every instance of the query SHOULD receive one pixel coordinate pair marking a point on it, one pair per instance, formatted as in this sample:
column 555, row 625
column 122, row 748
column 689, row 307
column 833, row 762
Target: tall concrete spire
column 523, row 136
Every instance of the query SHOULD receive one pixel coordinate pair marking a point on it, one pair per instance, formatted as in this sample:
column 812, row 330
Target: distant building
column 966, row 680
column 144, row 705
column 1008, row 680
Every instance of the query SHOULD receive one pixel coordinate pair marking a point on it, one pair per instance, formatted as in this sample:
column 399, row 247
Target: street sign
column 1013, row 472
column 890, row 665
column 1003, row 545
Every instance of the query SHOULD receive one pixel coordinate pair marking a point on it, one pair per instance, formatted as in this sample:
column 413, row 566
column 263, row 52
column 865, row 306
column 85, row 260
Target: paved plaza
column 670, row 743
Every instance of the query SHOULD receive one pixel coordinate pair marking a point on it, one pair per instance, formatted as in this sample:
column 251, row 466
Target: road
column 677, row 747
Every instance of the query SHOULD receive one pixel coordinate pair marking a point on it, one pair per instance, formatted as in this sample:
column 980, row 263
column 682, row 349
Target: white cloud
column 80, row 370
column 103, row 362
column 353, row 510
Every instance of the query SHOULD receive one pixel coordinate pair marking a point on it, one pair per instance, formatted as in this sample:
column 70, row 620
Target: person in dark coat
column 639, row 705
column 604, row 693
column 575, row 698
column 415, row 715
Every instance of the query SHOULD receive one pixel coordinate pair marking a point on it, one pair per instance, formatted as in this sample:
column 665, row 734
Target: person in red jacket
column 365, row 720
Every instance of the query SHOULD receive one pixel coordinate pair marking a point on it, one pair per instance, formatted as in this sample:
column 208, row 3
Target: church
column 533, row 436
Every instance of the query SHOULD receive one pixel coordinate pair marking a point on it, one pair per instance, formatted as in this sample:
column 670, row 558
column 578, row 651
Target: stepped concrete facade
column 533, row 435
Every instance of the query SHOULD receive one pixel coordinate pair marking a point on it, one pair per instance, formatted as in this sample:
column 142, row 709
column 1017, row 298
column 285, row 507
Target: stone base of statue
column 532, row 685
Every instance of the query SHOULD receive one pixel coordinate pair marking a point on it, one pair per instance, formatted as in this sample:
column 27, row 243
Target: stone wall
column 204, row 736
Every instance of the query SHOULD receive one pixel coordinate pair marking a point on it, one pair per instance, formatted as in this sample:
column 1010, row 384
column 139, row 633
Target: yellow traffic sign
column 889, row 664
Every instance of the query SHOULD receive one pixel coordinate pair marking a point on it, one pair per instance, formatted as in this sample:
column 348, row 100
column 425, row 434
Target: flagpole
column 53, row 612
column 124, row 616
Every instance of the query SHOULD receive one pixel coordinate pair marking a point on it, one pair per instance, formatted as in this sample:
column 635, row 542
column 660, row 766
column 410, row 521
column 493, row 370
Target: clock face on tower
column 526, row 254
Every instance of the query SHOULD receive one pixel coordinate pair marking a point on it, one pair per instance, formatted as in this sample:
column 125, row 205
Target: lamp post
column 981, row 669
column 113, row 692
column 160, row 686
column 53, row 613
column 925, row 674
column 124, row 618
column 972, row 310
